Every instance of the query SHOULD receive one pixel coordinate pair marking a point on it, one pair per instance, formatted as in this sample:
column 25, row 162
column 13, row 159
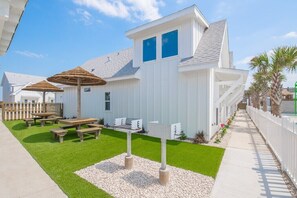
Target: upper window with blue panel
column 149, row 49
column 170, row 44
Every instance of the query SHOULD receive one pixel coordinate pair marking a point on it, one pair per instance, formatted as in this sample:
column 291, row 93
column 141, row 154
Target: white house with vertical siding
column 13, row 83
column 180, row 69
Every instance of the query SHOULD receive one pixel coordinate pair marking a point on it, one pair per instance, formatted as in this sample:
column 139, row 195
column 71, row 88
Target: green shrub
column 183, row 136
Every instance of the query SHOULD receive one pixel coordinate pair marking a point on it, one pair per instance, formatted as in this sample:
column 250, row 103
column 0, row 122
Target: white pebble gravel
column 143, row 180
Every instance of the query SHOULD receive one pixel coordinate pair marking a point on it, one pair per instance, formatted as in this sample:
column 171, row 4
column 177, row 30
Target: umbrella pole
column 78, row 97
column 43, row 100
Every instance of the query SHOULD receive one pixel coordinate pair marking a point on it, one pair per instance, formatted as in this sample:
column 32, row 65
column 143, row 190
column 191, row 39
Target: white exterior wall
column 159, row 91
column 162, row 94
column 20, row 96
column 198, row 31
column 6, row 91
column 193, row 102
column 125, row 101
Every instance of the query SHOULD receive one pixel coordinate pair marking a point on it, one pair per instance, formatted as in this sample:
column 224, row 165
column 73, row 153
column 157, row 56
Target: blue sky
column 57, row 35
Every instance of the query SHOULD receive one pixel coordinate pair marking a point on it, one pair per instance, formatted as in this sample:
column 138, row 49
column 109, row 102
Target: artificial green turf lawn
column 60, row 161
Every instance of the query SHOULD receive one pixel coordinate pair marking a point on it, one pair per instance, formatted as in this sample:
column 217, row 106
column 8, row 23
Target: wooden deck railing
column 19, row 111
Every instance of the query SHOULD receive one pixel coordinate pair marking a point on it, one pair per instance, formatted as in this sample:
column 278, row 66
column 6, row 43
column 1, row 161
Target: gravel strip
column 142, row 181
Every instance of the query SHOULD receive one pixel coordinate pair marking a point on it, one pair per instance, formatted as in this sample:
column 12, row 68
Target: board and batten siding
column 194, row 102
column 162, row 94
column 125, row 101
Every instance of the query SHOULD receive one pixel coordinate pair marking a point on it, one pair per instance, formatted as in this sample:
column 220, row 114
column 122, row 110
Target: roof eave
column 3, row 49
column 190, row 11
column 135, row 76
column 196, row 67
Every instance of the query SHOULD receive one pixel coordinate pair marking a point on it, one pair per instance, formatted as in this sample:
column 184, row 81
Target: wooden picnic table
column 42, row 115
column 78, row 121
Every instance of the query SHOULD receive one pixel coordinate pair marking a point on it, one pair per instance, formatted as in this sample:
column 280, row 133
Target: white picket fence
column 281, row 135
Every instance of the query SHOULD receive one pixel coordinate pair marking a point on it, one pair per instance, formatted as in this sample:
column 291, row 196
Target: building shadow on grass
column 39, row 138
column 47, row 136
column 19, row 127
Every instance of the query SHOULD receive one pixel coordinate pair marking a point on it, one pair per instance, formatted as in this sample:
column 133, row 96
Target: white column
column 163, row 154
column 129, row 153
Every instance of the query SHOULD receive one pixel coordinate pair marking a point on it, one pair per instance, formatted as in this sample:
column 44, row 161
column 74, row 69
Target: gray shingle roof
column 209, row 47
column 22, row 79
column 117, row 64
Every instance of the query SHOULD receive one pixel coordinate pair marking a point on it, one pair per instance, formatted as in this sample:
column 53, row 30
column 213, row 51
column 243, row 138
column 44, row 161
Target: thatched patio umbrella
column 43, row 86
column 77, row 77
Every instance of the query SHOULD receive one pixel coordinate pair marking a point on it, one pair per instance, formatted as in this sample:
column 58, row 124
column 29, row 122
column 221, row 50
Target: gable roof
column 117, row 64
column 186, row 13
column 21, row 79
column 209, row 47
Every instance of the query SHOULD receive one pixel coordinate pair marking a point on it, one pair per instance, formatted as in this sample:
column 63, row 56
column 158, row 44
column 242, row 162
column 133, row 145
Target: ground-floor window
column 107, row 101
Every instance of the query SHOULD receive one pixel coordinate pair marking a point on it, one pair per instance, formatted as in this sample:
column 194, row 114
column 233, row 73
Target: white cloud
column 125, row 9
column 244, row 61
column 289, row 35
column 83, row 16
column 29, row 54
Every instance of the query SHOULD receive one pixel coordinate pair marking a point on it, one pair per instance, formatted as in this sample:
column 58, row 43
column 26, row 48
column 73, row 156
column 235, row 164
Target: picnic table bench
column 53, row 119
column 29, row 122
column 59, row 133
column 93, row 130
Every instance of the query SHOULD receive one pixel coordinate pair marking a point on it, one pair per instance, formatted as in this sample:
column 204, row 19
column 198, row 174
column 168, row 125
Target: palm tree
column 262, row 81
column 283, row 58
column 254, row 89
column 261, row 63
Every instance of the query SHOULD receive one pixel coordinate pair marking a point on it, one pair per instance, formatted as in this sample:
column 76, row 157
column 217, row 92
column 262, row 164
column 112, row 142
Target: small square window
column 87, row 89
column 149, row 49
column 170, row 44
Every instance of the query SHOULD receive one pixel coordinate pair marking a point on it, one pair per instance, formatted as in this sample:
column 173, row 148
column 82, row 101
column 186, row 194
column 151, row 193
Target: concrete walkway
column 248, row 168
column 20, row 174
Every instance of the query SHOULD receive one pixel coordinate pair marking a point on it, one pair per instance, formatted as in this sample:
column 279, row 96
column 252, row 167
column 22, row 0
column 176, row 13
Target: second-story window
column 170, row 44
column 149, row 49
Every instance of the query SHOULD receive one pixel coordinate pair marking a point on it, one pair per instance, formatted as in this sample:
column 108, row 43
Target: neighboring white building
column 180, row 69
column 10, row 14
column 13, row 83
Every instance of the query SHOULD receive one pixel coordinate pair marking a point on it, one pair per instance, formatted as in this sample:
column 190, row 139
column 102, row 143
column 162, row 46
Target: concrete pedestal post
column 163, row 172
column 129, row 157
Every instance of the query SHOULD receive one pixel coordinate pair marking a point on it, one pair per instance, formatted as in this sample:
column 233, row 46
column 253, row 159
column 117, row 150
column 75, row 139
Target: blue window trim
column 149, row 49
column 170, row 44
